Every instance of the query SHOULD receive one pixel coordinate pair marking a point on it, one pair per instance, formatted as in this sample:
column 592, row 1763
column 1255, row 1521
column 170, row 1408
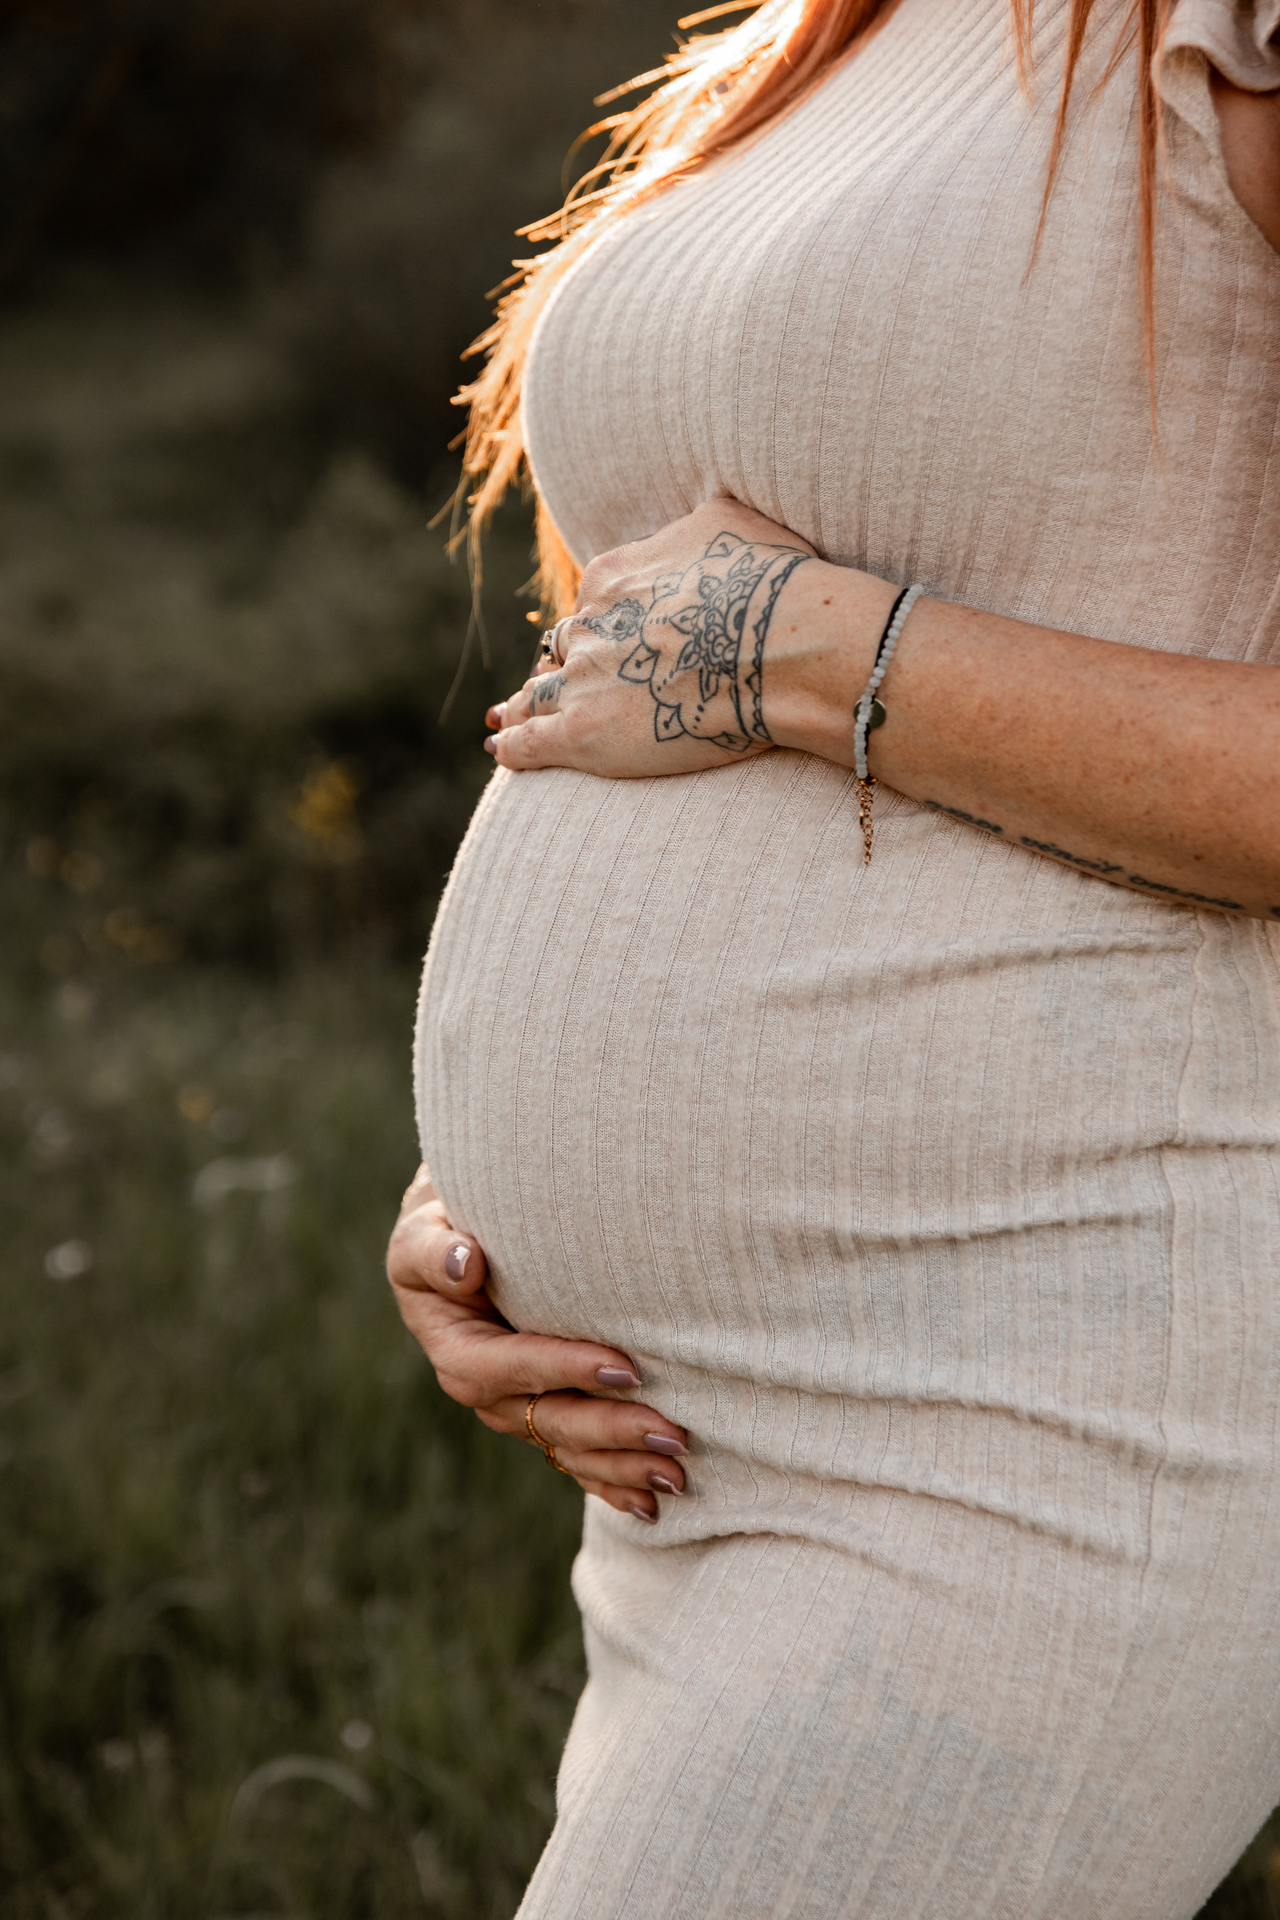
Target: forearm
column 1155, row 771
column 725, row 634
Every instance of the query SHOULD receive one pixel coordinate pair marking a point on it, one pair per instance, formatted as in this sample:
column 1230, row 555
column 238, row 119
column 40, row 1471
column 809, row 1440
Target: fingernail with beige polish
column 660, row 1484
column 455, row 1262
column 650, row 1519
column 616, row 1377
column 659, row 1443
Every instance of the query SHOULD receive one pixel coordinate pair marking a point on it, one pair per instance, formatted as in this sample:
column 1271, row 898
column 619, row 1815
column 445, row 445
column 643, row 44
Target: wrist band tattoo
column 870, row 712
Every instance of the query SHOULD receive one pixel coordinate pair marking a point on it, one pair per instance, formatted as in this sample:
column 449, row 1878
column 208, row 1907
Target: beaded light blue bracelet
column 869, row 712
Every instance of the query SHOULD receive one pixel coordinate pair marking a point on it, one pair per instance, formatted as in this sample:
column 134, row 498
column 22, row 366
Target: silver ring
column 553, row 640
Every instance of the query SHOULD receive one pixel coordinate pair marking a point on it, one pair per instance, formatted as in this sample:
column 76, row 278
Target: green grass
column 239, row 1524
column 282, row 1631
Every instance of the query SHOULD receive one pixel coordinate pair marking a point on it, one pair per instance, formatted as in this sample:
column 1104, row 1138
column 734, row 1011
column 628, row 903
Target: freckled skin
column 724, row 635
column 1249, row 125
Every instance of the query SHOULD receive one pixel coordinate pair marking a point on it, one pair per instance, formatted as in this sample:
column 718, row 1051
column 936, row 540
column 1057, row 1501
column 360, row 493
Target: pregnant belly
column 865, row 1139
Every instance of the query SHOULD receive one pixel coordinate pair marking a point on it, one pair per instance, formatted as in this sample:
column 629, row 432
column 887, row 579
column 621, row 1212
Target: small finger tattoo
column 546, row 692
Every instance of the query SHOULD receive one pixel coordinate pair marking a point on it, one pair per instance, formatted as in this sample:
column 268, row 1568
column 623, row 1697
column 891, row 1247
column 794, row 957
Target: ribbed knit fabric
column 939, row 1199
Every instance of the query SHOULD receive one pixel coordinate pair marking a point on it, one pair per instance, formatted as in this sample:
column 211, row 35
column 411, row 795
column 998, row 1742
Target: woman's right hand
column 623, row 1452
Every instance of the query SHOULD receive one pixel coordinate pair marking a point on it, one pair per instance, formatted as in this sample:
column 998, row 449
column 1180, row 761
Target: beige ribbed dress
column 939, row 1199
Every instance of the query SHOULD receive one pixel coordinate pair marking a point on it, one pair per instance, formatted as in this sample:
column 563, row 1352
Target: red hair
column 714, row 92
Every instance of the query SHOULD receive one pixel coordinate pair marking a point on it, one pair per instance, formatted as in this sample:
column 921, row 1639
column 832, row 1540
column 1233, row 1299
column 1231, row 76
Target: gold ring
column 548, row 1450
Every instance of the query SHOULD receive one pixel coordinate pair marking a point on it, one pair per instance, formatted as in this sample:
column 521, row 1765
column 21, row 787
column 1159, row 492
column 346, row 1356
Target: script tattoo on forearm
column 1106, row 869
column 699, row 644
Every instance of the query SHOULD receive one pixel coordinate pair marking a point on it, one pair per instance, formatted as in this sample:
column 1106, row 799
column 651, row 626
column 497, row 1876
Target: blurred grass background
column 282, row 1631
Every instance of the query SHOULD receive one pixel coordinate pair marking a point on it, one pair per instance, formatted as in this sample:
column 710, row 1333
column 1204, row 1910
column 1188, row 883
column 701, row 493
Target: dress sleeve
column 1241, row 38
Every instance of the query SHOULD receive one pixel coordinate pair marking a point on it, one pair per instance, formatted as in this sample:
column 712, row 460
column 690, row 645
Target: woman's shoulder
column 1220, row 71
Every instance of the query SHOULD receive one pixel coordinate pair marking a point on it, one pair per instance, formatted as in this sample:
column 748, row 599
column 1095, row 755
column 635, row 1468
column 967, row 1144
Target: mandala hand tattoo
column 699, row 645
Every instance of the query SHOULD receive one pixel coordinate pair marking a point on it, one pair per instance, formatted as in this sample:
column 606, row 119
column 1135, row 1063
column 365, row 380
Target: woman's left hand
column 622, row 1451
column 660, row 667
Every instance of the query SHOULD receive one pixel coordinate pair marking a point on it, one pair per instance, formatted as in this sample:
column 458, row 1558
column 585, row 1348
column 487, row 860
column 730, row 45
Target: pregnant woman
column 869, row 1139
